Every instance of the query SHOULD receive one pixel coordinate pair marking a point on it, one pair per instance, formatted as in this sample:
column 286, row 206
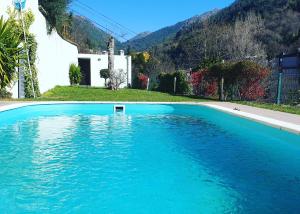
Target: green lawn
column 74, row 93
column 77, row 93
column 282, row 108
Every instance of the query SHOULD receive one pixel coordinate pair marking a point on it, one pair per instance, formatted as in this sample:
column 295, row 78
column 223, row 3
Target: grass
column 77, row 93
column 274, row 107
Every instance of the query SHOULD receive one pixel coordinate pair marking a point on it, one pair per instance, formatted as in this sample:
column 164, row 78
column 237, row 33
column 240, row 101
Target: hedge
column 166, row 82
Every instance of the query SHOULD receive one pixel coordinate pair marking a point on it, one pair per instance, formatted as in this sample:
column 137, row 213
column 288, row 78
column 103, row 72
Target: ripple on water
column 143, row 164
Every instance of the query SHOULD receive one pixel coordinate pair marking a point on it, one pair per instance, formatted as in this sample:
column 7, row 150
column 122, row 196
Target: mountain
column 90, row 38
column 140, row 36
column 281, row 20
column 258, row 29
column 147, row 40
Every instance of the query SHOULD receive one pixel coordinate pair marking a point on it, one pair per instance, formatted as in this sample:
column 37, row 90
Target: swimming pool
column 83, row 158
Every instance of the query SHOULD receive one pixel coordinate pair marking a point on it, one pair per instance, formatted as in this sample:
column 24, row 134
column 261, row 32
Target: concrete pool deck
column 281, row 120
column 277, row 119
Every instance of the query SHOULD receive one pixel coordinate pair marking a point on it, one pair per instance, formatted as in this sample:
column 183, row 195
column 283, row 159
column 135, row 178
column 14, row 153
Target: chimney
column 122, row 53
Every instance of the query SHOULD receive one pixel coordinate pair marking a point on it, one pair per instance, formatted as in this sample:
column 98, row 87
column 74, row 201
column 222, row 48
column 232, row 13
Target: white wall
column 54, row 55
column 99, row 62
column 3, row 8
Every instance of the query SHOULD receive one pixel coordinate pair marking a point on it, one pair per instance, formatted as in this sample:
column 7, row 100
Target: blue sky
column 140, row 16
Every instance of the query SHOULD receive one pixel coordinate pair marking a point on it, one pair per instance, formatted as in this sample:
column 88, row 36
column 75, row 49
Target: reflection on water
column 144, row 164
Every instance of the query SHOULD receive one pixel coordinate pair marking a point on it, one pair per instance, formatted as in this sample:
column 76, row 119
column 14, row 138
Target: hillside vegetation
column 273, row 27
column 279, row 23
column 89, row 37
column 247, row 29
column 149, row 40
column 255, row 30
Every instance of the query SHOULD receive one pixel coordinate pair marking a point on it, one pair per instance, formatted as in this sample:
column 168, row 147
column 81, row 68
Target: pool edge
column 286, row 126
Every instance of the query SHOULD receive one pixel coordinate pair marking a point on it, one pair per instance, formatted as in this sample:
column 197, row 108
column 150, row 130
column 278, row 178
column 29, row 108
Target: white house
column 91, row 64
column 54, row 54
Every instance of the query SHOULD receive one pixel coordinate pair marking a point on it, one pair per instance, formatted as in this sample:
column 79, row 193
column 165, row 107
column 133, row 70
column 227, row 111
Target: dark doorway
column 85, row 65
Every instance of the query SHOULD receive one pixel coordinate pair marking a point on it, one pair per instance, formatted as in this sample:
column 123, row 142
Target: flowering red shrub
column 251, row 79
column 252, row 92
column 196, row 81
column 202, row 84
column 211, row 88
column 143, row 81
column 196, row 78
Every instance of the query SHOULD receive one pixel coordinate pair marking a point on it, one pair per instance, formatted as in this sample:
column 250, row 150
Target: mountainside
column 89, row 37
column 140, row 36
column 148, row 40
column 280, row 19
column 256, row 29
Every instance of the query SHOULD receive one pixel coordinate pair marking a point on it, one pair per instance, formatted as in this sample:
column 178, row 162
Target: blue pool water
column 82, row 158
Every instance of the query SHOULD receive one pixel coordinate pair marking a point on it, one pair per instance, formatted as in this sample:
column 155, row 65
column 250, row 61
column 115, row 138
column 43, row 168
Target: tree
column 139, row 61
column 29, row 50
column 104, row 73
column 215, row 41
column 117, row 78
column 243, row 43
column 56, row 13
column 111, row 63
column 9, row 52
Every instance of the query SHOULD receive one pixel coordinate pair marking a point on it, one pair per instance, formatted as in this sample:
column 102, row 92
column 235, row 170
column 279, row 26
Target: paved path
column 282, row 116
column 4, row 103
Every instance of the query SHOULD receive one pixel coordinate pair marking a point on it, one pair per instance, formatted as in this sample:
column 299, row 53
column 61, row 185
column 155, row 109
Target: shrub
column 75, row 74
column 197, row 79
column 202, row 84
column 117, row 78
column 211, row 88
column 250, row 78
column 104, row 73
column 182, row 85
column 9, row 52
column 140, row 81
column 166, row 82
column 143, row 81
column 294, row 97
column 223, row 72
column 4, row 94
column 242, row 80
